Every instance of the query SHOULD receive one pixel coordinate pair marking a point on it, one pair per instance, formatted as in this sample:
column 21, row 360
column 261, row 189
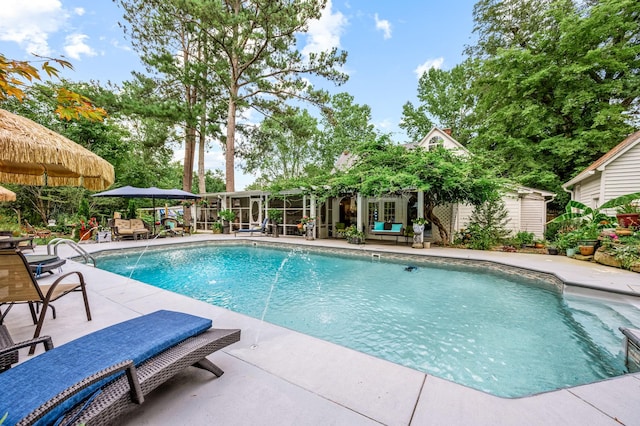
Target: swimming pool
column 483, row 330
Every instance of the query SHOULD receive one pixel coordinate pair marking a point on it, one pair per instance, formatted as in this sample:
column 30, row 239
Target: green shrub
column 524, row 237
column 488, row 225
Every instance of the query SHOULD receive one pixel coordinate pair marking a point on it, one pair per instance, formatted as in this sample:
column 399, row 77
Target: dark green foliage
column 488, row 224
column 83, row 209
column 132, row 210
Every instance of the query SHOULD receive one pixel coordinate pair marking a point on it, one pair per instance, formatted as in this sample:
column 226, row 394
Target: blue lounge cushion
column 396, row 227
column 39, row 379
column 378, row 226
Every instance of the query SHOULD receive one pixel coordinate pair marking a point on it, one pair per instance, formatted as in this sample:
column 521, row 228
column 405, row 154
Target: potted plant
column 588, row 235
column 552, row 249
column 275, row 216
column 538, row 243
column 628, row 215
column 308, row 223
column 217, row 227
column 418, row 232
column 567, row 243
column 227, row 216
column 353, row 235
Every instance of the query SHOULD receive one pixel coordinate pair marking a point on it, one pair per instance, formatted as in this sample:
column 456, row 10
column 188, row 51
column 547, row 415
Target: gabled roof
column 631, row 141
column 436, row 132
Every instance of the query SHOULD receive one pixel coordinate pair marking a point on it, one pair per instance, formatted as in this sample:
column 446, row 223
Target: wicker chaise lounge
column 82, row 382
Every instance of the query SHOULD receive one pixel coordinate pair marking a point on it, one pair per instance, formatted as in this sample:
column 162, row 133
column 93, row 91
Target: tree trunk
column 189, row 154
column 442, row 230
column 230, row 148
column 201, row 151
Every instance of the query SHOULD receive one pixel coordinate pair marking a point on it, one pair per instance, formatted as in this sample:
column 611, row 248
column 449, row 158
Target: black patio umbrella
column 151, row 192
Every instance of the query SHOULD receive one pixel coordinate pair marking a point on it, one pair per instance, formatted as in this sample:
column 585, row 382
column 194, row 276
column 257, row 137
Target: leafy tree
column 256, row 60
column 282, row 146
column 16, row 75
column 168, row 35
column 345, row 125
column 557, row 85
column 444, row 97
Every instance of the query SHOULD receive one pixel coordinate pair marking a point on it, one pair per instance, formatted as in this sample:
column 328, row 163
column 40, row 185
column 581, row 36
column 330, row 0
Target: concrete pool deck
column 275, row 376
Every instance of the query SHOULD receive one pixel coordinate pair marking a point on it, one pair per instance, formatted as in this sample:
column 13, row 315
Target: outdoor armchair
column 18, row 285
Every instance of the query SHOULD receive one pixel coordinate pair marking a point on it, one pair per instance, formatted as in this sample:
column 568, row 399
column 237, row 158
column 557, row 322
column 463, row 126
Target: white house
column 527, row 207
column 615, row 173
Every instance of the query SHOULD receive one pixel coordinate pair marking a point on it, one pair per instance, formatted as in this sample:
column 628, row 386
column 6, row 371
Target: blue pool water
column 480, row 329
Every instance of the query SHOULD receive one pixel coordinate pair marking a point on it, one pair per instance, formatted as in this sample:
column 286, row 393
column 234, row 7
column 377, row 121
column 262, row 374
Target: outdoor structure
column 614, row 174
column 251, row 207
column 527, row 207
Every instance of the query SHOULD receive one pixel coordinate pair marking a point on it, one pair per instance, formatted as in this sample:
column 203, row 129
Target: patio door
column 255, row 210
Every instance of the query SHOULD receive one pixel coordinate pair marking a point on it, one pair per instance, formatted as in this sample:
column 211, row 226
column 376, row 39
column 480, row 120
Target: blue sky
column 389, row 44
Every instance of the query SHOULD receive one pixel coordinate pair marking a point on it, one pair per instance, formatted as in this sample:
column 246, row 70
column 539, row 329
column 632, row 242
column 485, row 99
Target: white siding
column 589, row 191
column 622, row 176
column 533, row 214
column 512, row 205
column 464, row 216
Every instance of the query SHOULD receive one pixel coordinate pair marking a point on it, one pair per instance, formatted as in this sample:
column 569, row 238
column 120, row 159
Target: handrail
column 75, row 246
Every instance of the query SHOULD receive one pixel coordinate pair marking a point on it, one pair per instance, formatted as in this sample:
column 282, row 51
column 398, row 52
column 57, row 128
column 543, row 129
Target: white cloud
column 324, row 33
column 75, row 46
column 384, row 25
column 426, row 66
column 30, row 23
column 384, row 125
column 79, row 11
column 118, row 45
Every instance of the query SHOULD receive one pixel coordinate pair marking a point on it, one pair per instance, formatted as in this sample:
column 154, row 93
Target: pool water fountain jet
column 135, row 265
column 296, row 252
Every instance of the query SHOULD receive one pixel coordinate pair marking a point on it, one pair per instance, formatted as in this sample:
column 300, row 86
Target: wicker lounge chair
column 262, row 229
column 82, row 381
column 18, row 285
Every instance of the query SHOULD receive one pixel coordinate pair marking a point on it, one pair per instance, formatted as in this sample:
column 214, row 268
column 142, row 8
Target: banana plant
column 578, row 214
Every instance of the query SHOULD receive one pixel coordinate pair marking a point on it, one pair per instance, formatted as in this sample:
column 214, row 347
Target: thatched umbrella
column 31, row 154
column 6, row 195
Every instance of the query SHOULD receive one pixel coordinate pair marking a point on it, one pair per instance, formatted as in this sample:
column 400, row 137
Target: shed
column 614, row 174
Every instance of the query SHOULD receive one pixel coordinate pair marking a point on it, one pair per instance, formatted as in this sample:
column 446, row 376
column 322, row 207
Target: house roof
column 436, row 132
column 527, row 190
column 606, row 159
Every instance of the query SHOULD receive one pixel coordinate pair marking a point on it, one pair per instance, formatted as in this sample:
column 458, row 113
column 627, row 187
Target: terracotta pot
column 586, row 250
column 628, row 219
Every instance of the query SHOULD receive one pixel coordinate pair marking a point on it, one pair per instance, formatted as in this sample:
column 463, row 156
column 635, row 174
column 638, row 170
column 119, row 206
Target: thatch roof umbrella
column 6, row 195
column 31, row 154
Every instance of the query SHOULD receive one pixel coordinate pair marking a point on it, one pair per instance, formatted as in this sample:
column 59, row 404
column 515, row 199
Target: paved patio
column 275, row 376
